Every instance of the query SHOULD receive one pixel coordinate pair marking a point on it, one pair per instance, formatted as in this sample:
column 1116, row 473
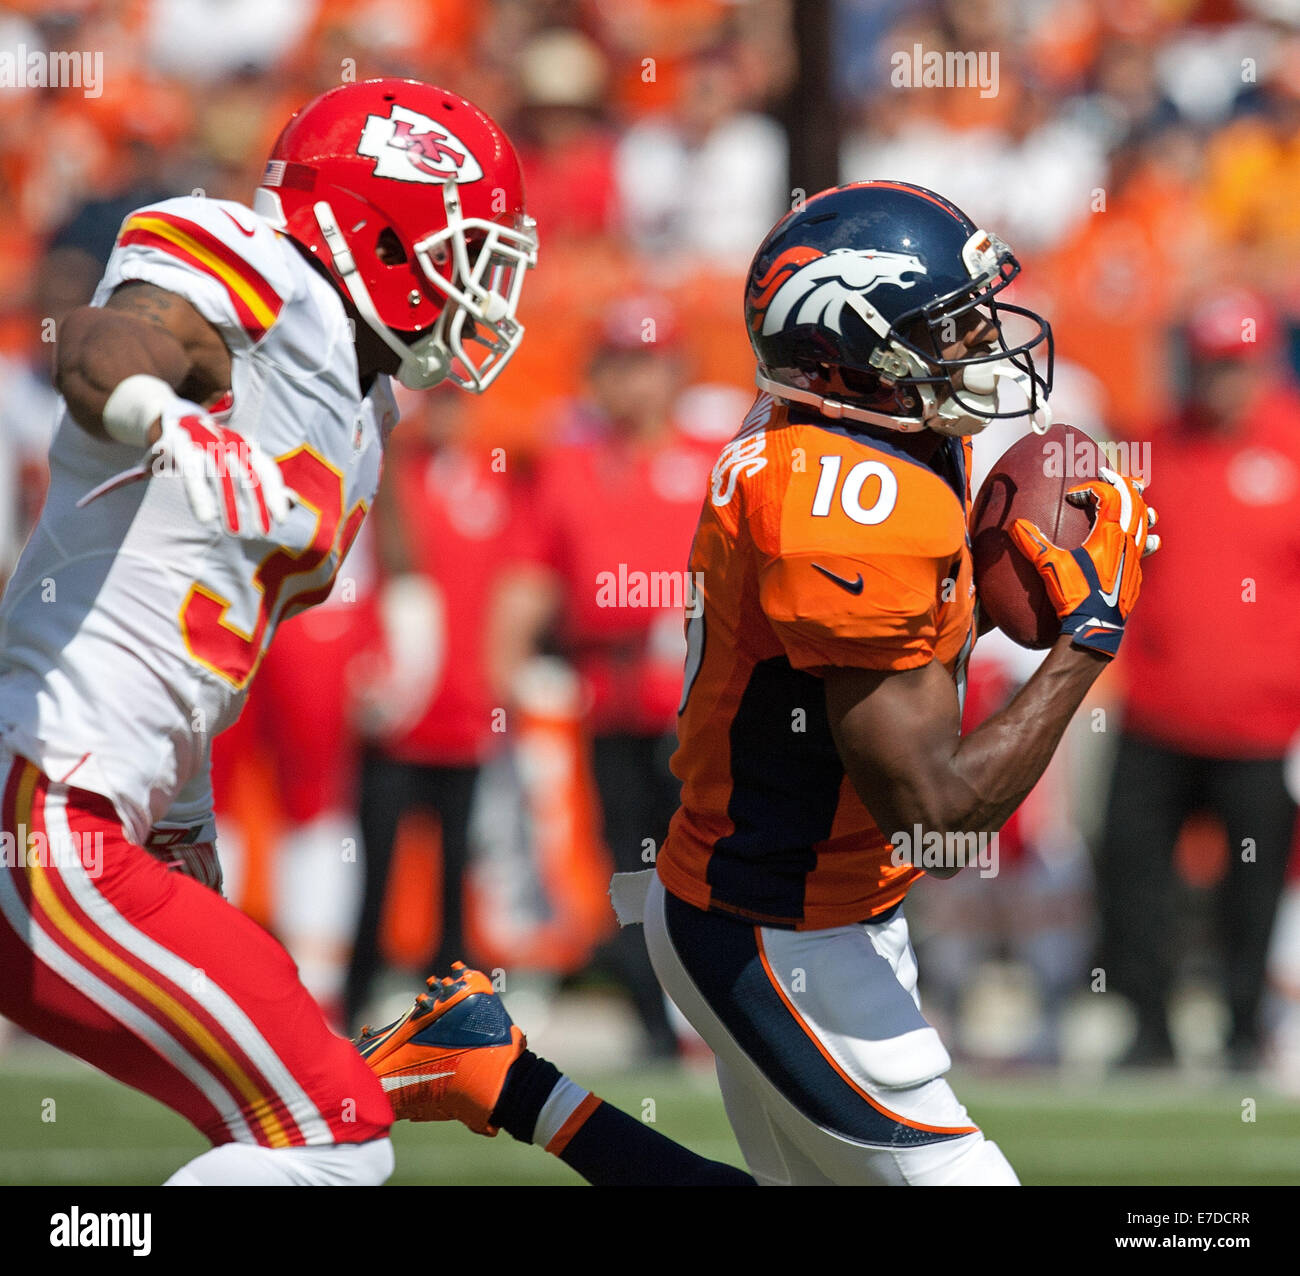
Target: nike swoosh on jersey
column 1112, row 599
column 852, row 586
column 245, row 229
column 411, row 1078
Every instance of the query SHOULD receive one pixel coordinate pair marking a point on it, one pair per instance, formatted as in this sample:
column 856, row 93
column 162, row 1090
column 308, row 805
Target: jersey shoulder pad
column 219, row 255
column 859, row 496
column 857, row 552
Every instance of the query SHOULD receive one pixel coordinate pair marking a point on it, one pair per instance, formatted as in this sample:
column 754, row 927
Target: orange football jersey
column 818, row 546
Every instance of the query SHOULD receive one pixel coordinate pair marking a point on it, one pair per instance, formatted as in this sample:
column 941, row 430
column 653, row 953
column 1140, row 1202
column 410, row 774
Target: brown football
column 1030, row 481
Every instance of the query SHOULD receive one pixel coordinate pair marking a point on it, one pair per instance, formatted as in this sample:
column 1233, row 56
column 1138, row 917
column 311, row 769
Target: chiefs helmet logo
column 805, row 286
column 410, row 147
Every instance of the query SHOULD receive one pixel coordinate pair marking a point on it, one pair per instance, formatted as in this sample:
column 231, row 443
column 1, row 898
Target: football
column 1030, row 481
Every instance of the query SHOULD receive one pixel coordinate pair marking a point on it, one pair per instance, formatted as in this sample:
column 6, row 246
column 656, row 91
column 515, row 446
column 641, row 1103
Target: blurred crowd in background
column 447, row 759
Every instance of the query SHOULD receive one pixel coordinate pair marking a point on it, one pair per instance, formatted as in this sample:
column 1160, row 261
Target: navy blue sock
column 606, row 1146
column 613, row 1149
column 528, row 1085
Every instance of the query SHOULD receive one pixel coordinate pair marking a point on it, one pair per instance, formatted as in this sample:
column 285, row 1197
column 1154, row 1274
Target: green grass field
column 1158, row 1130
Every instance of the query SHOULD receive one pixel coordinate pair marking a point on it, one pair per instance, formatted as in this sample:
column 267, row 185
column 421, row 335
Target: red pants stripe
column 161, row 983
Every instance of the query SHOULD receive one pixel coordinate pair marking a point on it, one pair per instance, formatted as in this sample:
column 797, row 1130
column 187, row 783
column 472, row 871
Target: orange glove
column 1094, row 587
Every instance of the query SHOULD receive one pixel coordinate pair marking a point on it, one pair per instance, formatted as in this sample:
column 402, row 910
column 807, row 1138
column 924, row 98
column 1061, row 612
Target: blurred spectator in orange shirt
column 1252, row 181
column 1121, row 278
column 1214, row 689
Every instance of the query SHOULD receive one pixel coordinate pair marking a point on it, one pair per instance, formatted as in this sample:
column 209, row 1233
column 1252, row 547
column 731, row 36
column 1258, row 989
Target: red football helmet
column 412, row 198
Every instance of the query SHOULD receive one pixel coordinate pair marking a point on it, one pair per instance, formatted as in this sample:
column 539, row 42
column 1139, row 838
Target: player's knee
column 904, row 1062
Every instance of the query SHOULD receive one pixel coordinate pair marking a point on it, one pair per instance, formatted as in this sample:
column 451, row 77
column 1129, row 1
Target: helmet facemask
column 959, row 396
column 488, row 263
column 953, row 396
column 482, row 287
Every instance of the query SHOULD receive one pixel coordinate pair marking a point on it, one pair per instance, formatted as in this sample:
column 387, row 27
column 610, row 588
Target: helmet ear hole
column 862, row 383
column 388, row 248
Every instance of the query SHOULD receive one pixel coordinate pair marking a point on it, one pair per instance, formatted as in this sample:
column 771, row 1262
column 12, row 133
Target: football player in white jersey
column 225, row 403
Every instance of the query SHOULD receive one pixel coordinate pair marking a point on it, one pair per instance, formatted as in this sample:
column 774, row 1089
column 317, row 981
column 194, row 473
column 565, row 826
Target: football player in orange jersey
column 821, row 759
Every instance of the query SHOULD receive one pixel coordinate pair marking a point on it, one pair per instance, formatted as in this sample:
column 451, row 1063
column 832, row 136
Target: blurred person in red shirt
column 448, row 523
column 1213, row 689
column 565, row 145
column 616, row 506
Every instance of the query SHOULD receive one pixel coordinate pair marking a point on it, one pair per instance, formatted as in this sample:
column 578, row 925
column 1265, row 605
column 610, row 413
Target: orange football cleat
column 447, row 1059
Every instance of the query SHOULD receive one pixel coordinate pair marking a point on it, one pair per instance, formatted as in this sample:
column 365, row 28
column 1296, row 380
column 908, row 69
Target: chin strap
column 982, row 382
column 949, row 417
column 427, row 361
column 837, row 409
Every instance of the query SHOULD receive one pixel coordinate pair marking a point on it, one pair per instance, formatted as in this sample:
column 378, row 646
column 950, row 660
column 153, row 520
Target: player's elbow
column 98, row 348
column 74, row 367
column 941, row 848
column 75, row 336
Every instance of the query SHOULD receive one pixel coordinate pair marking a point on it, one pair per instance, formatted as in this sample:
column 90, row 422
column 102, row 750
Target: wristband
column 135, row 404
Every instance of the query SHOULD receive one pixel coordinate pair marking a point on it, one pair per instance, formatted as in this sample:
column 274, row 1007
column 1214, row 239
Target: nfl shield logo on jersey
column 409, row 147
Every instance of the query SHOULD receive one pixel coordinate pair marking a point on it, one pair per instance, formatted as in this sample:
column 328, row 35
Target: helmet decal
column 817, row 290
column 765, row 287
column 410, row 147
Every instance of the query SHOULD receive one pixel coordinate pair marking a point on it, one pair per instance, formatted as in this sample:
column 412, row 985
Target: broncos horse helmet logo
column 804, row 286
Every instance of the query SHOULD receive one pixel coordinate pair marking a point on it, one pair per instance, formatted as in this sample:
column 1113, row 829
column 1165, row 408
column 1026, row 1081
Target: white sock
column 250, row 1165
column 317, row 898
column 562, row 1103
column 232, row 849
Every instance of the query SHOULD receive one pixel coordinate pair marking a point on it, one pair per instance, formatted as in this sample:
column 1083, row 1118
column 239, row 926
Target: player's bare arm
column 139, row 370
column 898, row 734
column 140, row 329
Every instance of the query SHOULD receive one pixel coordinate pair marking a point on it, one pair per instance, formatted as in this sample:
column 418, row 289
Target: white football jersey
column 130, row 631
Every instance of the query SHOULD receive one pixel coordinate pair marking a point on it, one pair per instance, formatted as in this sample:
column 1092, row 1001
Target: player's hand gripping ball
column 1052, row 557
column 1094, row 587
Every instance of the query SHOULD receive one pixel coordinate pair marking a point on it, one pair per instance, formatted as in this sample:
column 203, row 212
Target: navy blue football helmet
column 853, row 299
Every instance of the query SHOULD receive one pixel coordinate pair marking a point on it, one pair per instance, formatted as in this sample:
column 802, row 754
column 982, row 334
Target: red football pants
column 161, row 983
